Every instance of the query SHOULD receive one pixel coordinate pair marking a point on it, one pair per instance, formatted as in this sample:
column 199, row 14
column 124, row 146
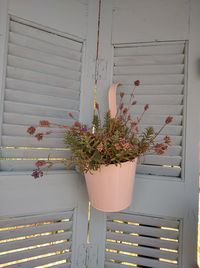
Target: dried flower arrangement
column 113, row 141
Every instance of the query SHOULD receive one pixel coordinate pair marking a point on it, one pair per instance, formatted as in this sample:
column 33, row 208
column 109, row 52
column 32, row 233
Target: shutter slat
column 27, row 97
column 45, row 260
column 35, row 252
column 36, row 241
column 152, row 242
column 154, row 221
column 37, row 88
column 155, row 99
column 142, row 251
column 44, row 36
column 161, row 160
column 31, row 153
column 26, row 231
column 139, row 260
column 37, row 66
column 153, row 89
column 149, row 69
column 21, row 131
column 29, row 141
column 159, row 109
column 149, row 60
column 14, row 118
column 36, row 44
column 23, row 165
column 43, row 57
column 168, row 130
column 152, row 119
column 35, row 219
column 140, row 230
column 15, row 107
column 159, row 170
column 150, row 79
column 150, row 50
column 37, row 77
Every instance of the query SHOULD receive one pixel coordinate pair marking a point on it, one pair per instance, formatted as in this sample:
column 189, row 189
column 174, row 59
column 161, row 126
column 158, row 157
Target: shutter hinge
column 100, row 69
column 87, row 256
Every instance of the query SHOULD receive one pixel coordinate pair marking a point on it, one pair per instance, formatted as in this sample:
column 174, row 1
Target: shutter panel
column 37, row 240
column 161, row 70
column 144, row 241
column 43, row 79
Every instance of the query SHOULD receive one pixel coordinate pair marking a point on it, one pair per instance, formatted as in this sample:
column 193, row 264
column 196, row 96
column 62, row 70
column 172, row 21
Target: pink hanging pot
column 110, row 188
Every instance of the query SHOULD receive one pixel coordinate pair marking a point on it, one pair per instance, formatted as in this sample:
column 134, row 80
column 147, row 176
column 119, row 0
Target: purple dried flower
column 37, row 173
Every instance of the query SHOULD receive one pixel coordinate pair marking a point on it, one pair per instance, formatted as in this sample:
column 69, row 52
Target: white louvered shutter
column 144, row 241
column 161, row 71
column 37, row 240
column 42, row 83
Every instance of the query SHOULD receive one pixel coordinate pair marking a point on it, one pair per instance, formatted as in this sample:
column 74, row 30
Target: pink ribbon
column 112, row 103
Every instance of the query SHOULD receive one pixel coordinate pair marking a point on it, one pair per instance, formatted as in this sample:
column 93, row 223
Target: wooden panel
column 59, row 16
column 153, row 20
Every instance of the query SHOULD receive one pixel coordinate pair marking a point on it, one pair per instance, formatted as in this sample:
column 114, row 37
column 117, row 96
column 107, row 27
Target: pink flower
column 77, row 124
column 37, row 173
column 168, row 120
column 44, row 123
column 146, row 107
column 40, row 163
column 167, row 139
column 39, row 136
column 160, row 148
column 100, row 147
column 31, row 130
column 118, row 146
column 137, row 83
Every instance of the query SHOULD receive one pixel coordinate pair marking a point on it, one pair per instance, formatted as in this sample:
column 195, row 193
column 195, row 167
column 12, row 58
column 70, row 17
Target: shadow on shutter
column 42, row 82
column 161, row 70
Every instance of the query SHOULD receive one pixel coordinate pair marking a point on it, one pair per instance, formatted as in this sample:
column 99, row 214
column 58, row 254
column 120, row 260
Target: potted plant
column 107, row 151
